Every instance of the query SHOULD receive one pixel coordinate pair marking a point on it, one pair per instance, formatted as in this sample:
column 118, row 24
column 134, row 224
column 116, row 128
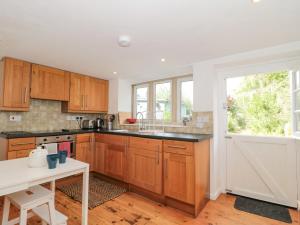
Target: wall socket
column 74, row 118
column 15, row 118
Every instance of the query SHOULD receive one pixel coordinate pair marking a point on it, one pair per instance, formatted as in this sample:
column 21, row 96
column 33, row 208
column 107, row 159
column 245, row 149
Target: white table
column 15, row 175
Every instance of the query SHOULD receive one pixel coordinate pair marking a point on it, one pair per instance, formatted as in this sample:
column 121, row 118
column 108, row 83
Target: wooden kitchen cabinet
column 20, row 147
column 87, row 94
column 85, row 150
column 97, row 95
column 179, row 171
column 186, row 174
column 112, row 151
column 145, row 163
column 49, row 83
column 179, row 177
column 14, row 84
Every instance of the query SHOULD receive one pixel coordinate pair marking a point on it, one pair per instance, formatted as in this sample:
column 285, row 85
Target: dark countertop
column 163, row 136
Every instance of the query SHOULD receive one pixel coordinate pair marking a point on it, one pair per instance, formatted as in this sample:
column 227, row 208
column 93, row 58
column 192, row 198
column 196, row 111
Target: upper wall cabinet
column 87, row 94
column 14, row 85
column 49, row 83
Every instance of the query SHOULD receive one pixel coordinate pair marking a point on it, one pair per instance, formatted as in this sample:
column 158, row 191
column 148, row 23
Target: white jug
column 38, row 157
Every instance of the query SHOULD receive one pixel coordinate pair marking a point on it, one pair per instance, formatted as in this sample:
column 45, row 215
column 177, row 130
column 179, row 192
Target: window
column 296, row 100
column 162, row 101
column 260, row 104
column 169, row 100
column 141, row 99
column 185, row 98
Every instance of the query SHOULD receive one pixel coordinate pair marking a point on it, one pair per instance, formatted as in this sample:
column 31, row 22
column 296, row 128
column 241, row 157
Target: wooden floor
column 132, row 209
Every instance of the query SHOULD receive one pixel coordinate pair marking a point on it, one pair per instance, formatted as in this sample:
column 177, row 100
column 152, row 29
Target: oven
column 56, row 143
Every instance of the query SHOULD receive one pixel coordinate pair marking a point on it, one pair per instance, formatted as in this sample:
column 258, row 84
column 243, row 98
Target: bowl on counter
column 131, row 120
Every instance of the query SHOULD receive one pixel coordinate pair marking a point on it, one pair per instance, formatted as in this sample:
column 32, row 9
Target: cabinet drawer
column 179, row 147
column 18, row 154
column 145, row 143
column 111, row 139
column 82, row 138
column 21, row 144
column 22, row 153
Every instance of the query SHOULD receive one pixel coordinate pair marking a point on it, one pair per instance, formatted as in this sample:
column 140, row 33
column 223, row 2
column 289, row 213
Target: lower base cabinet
column 111, row 155
column 145, row 164
column 85, row 150
column 18, row 147
column 179, row 177
column 175, row 172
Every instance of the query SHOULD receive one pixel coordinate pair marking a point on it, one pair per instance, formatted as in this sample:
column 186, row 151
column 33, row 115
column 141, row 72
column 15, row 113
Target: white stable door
column 262, row 168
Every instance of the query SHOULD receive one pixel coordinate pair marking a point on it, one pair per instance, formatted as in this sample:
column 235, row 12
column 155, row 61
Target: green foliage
column 261, row 105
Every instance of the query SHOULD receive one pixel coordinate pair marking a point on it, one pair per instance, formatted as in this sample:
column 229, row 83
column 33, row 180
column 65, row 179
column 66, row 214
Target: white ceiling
column 81, row 35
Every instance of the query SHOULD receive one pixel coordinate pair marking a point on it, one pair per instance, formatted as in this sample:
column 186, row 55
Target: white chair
column 38, row 199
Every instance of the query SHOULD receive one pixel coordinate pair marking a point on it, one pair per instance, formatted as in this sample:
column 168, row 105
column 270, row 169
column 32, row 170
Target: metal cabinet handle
column 157, row 155
column 176, row 146
column 25, row 95
column 81, row 101
column 18, row 144
column 85, row 101
column 166, row 168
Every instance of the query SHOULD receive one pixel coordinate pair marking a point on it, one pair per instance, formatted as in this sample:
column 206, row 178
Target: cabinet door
column 49, row 83
column 16, row 84
column 90, row 152
column 81, row 151
column 77, row 90
column 179, row 177
column 115, row 161
column 96, row 97
column 145, row 169
column 99, row 157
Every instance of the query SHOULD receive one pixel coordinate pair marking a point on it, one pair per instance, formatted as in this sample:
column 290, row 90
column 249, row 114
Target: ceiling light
column 124, row 41
column 255, row 1
column 162, row 59
column 115, row 73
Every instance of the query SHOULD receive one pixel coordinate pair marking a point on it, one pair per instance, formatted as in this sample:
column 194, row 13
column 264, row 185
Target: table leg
column 52, row 186
column 85, row 196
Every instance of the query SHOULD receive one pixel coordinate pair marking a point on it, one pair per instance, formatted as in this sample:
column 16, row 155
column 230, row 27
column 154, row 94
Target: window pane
column 142, row 93
column 142, row 100
column 297, row 99
column 186, row 104
column 142, row 107
column 259, row 104
column 163, row 106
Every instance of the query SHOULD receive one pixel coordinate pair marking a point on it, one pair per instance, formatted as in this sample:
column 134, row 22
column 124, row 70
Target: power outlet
column 74, row 118
column 15, row 118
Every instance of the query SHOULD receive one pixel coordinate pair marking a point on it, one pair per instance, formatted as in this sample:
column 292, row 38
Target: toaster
column 87, row 124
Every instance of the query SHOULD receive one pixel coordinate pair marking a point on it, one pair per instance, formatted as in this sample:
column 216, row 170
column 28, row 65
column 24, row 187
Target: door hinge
column 228, row 137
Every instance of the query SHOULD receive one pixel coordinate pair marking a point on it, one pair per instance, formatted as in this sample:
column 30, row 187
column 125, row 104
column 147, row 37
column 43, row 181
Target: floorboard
column 132, row 209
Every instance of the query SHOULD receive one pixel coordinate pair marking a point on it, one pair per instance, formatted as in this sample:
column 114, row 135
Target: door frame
column 220, row 94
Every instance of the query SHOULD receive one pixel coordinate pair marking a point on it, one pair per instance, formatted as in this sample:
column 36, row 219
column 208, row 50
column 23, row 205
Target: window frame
column 154, row 99
column 151, row 98
column 179, row 96
column 294, row 92
column 135, row 87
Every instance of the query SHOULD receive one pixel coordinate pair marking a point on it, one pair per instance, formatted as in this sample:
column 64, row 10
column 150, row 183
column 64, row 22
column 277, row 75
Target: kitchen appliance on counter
column 88, row 124
column 52, row 143
column 99, row 123
column 110, row 120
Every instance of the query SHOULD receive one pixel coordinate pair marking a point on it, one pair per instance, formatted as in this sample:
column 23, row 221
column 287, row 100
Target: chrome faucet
column 141, row 121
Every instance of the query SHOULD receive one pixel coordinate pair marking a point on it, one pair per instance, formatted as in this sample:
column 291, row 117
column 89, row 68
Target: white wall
column 209, row 96
column 203, row 75
column 119, row 96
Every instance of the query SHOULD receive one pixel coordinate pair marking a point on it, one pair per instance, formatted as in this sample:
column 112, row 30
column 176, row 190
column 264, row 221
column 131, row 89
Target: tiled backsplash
column 43, row 115
column 202, row 123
